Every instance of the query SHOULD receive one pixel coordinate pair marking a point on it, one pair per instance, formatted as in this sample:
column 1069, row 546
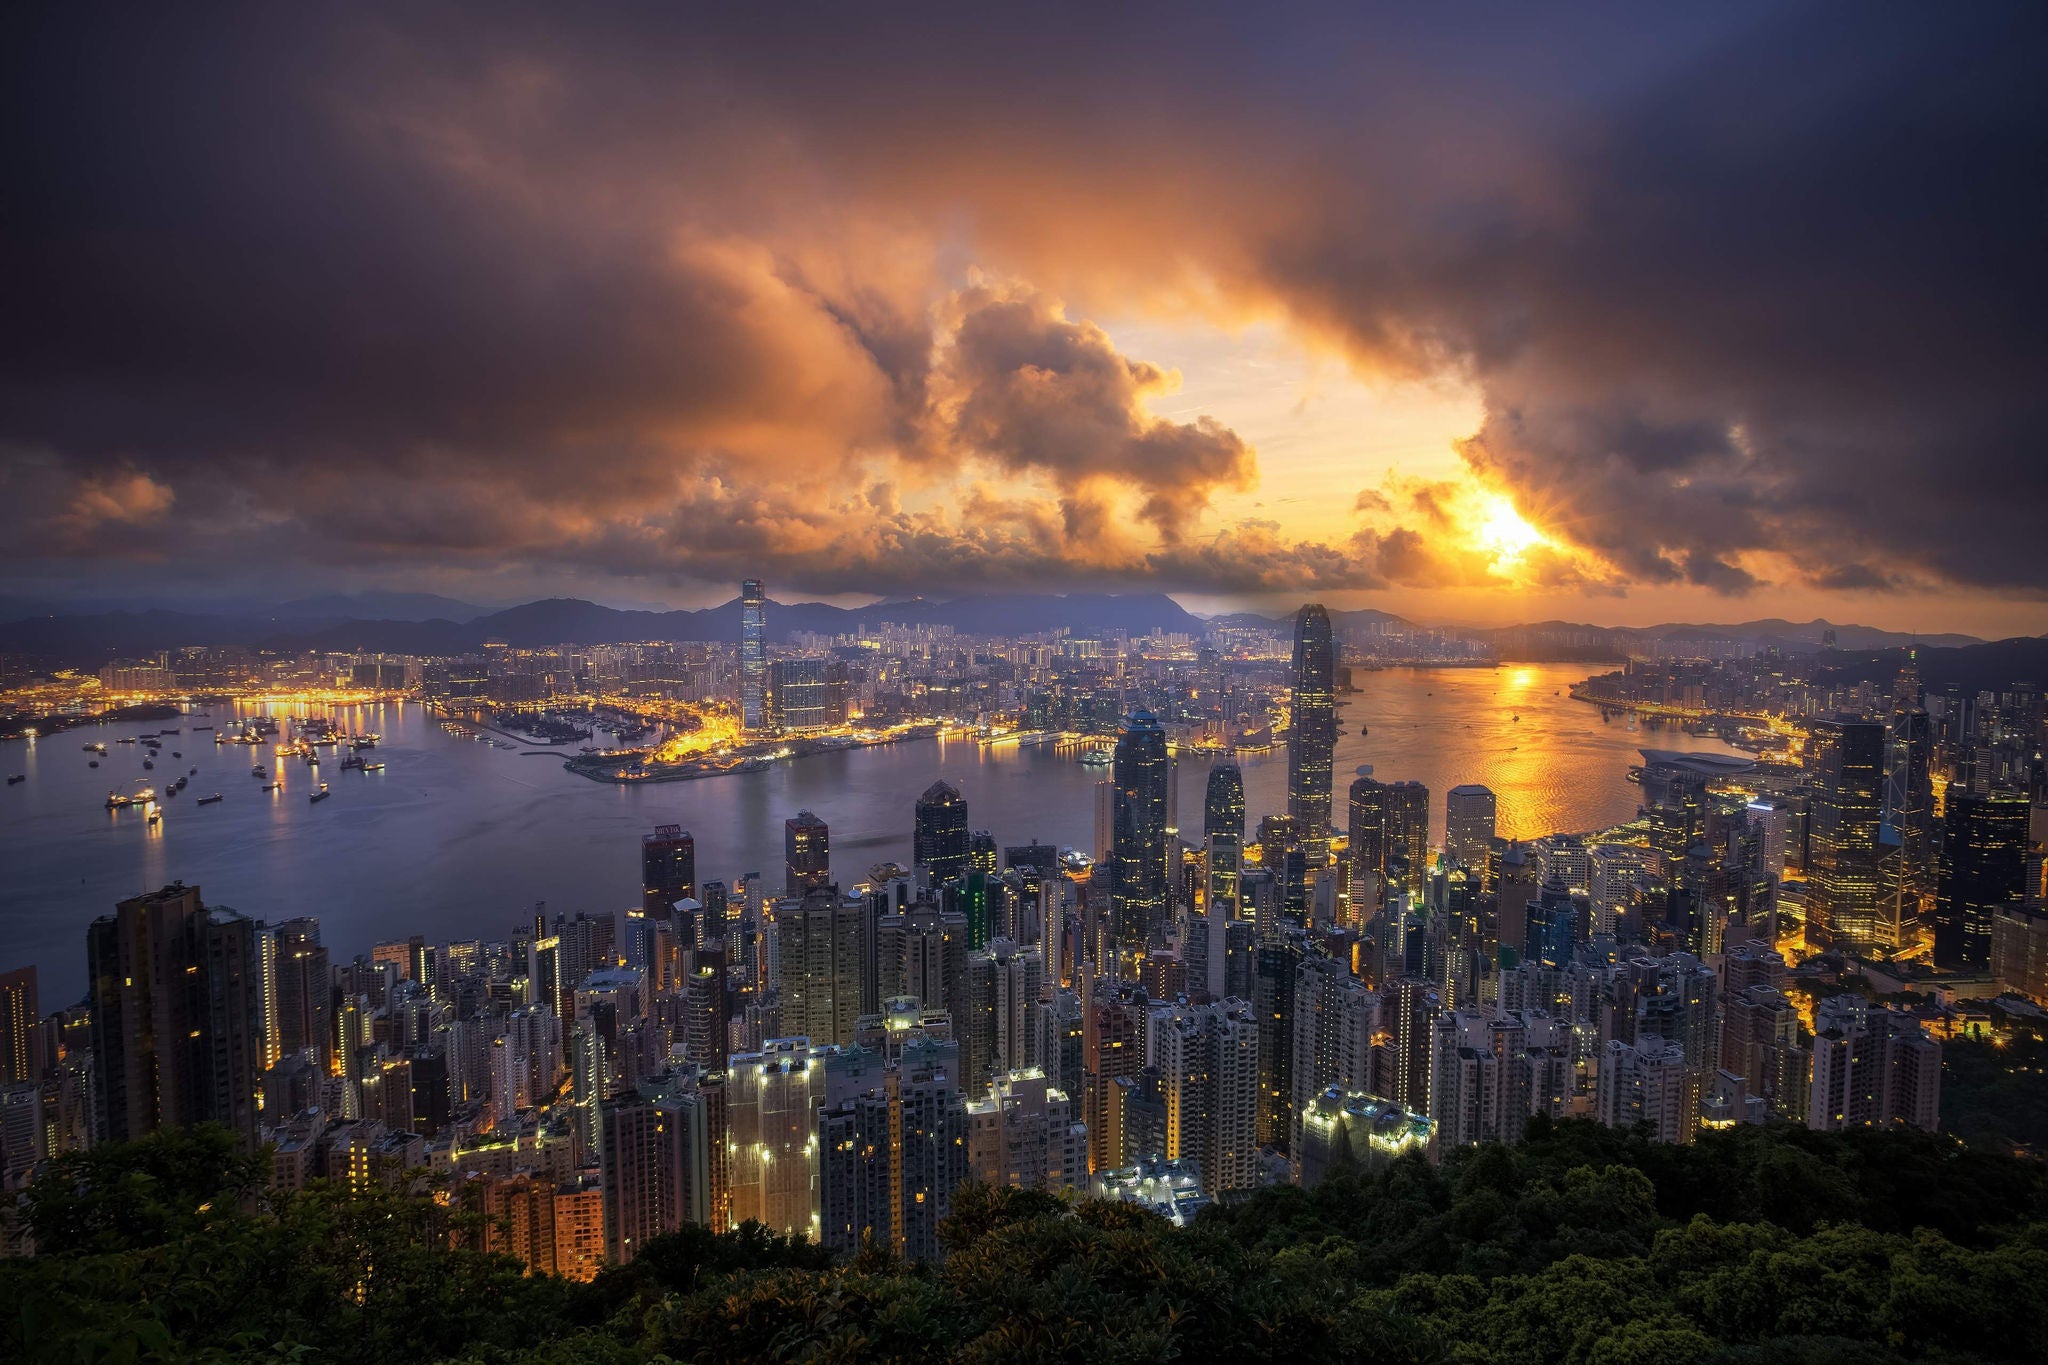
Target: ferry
column 373, row 768
column 125, row 739
column 1095, row 758
column 322, row 794
column 211, row 800
column 351, row 762
column 116, row 800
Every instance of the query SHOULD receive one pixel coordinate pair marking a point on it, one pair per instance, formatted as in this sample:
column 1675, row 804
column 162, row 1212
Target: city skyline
column 1440, row 329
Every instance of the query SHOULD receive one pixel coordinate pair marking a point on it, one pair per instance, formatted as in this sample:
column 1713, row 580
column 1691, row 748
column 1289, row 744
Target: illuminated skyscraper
column 1138, row 900
column 753, row 656
column 940, row 840
column 1845, row 763
column 1407, row 836
column 772, row 1102
column 1368, row 844
column 1312, row 739
column 1469, row 820
column 822, row 938
column 19, row 1013
column 1983, row 870
column 807, row 852
column 1223, row 842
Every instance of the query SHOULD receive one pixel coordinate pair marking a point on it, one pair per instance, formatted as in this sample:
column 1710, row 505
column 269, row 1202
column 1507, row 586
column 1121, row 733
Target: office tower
column 1407, row 836
column 1983, row 870
column 1551, row 926
column 890, row 1157
column 1026, row 1132
column 1312, row 732
column 753, row 657
column 1649, row 1082
column 820, row 940
column 773, row 1098
column 1138, row 896
column 1408, row 1016
column 1469, row 817
column 304, row 990
column 1845, row 764
column 1367, row 831
column 1872, row 1067
column 19, row 1015
column 807, row 853
column 175, row 1015
column 668, row 869
column 1004, row 983
column 663, row 1161
column 800, row 696
column 940, row 839
column 1208, row 1057
column 1909, row 803
column 1223, row 803
column 981, row 852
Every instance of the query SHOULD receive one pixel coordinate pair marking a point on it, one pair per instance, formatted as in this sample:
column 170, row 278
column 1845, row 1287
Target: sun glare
column 1502, row 532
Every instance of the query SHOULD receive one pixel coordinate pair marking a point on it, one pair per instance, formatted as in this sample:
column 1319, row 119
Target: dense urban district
column 1755, row 1075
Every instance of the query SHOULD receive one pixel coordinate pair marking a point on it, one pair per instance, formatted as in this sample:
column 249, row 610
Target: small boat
column 374, row 768
column 23, row 777
column 271, row 786
column 322, row 794
column 156, row 817
column 125, row 739
column 202, row 727
column 257, row 771
column 1364, row 730
column 176, row 754
column 94, row 764
column 1517, row 716
column 181, row 783
column 195, row 772
column 211, row 800
column 147, row 764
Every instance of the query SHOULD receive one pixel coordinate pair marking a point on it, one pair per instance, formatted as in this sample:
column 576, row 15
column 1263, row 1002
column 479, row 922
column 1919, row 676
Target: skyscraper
column 772, row 1102
column 19, row 1013
column 753, row 656
column 1407, row 835
column 1138, row 899
column 940, row 839
column 1368, row 841
column 176, row 1026
column 1209, row 1071
column 807, row 852
column 822, row 941
column 1312, row 739
column 1983, row 870
column 668, row 869
column 1845, row 763
column 1469, row 817
column 1223, row 804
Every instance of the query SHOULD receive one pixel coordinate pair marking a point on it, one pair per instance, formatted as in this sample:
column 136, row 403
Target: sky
column 1477, row 313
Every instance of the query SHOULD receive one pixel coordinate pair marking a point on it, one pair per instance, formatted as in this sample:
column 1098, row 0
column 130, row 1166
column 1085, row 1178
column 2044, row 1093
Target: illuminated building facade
column 753, row 657
column 807, row 853
column 1845, row 764
column 1983, row 870
column 1138, row 895
column 773, row 1099
column 1312, row 736
column 939, row 838
column 1469, row 821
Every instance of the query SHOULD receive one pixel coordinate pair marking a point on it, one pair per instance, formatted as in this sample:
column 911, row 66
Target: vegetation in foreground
column 1580, row 1245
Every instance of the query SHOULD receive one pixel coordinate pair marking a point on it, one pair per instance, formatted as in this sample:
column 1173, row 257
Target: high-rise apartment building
column 176, row 1015
column 773, row 1098
column 1208, row 1058
column 822, row 943
column 19, row 1014
column 668, row 869
column 1312, row 731
column 1872, row 1067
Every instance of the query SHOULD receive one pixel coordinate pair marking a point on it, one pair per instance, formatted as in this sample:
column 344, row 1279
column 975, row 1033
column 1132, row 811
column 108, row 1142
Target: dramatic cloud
column 1750, row 295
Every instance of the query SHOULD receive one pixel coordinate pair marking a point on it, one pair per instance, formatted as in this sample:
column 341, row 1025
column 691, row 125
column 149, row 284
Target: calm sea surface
column 457, row 839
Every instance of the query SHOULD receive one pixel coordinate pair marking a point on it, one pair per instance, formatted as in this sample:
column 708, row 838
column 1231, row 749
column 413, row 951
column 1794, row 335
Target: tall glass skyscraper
column 939, row 839
column 1312, row 741
column 1845, row 761
column 753, row 656
column 1223, row 808
column 1983, row 869
column 1223, row 838
column 1138, row 901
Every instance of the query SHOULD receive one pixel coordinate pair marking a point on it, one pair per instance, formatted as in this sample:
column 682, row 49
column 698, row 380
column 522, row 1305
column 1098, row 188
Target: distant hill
column 1982, row 667
column 381, row 606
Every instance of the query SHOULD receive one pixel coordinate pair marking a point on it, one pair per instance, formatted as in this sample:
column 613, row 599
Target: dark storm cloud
column 664, row 291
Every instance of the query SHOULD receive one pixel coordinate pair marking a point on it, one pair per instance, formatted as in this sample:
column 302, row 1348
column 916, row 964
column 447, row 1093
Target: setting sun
column 1503, row 532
